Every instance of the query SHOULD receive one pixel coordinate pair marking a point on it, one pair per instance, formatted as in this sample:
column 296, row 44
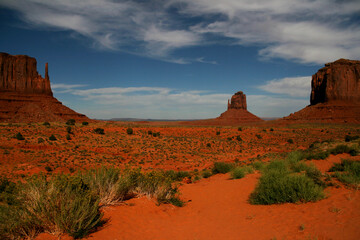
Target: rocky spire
column 238, row 101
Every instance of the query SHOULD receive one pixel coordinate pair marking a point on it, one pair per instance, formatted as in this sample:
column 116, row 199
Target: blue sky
column 180, row 59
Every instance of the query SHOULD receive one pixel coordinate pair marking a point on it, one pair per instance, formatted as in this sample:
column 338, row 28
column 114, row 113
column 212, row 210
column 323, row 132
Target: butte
column 25, row 96
column 335, row 94
column 235, row 114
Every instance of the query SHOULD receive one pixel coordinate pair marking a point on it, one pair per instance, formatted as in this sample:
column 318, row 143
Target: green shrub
column 240, row 129
column 48, row 169
column 68, row 129
column 222, row 167
column 41, row 140
column 343, row 149
column 156, row 134
column 217, row 132
column 177, row 175
column 108, row 184
column 99, row 131
column 19, row 136
column 206, row 173
column 129, row 131
column 150, row 132
column 70, row 122
column 47, row 124
column 349, row 138
column 280, row 187
column 239, row 138
column 258, row 136
column 290, row 140
column 237, row 173
column 258, row 165
column 348, row 172
column 85, row 123
column 52, row 138
column 68, row 137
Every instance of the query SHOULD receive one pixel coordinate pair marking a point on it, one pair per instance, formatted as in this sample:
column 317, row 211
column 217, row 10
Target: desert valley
column 65, row 176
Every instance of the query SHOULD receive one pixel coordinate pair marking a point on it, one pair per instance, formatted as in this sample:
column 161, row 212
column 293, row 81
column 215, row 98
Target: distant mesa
column 335, row 94
column 25, row 96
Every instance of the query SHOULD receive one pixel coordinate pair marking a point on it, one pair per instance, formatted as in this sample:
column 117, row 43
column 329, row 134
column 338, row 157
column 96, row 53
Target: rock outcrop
column 337, row 81
column 238, row 101
column 25, row 96
column 335, row 94
column 19, row 74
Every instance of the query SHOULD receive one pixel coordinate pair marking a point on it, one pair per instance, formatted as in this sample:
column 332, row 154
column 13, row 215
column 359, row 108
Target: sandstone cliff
column 335, row 94
column 337, row 81
column 25, row 96
column 238, row 101
column 19, row 74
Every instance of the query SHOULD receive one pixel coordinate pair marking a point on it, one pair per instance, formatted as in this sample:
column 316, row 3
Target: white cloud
column 292, row 86
column 308, row 31
column 268, row 106
column 166, row 103
column 66, row 86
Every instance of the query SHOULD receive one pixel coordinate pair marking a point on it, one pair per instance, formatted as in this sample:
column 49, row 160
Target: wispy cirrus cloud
column 307, row 31
column 292, row 86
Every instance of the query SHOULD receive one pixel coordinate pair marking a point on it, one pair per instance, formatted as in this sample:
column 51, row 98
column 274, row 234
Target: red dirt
column 217, row 208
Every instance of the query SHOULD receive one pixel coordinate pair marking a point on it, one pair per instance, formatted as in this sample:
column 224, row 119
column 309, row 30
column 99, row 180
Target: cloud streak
column 307, row 31
column 292, row 86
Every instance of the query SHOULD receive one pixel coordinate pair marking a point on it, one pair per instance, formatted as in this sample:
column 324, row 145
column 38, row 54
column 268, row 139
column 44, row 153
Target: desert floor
column 215, row 207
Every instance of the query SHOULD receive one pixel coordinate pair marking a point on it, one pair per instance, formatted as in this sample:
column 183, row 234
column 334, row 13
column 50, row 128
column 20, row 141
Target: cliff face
column 19, row 74
column 335, row 94
column 337, row 81
column 238, row 101
column 27, row 97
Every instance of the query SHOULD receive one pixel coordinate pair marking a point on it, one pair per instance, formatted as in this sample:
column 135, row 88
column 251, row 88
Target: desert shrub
column 239, row 138
column 271, row 129
column 222, row 167
column 129, row 131
column 258, row 165
column 349, row 138
column 156, row 134
column 176, row 202
column 177, row 175
column 240, row 129
column 217, row 132
column 320, row 155
column 68, row 129
column 19, row 136
column 290, row 140
column 206, row 173
column 208, row 145
column 48, row 169
column 52, row 138
column 68, row 137
column 237, row 173
column 108, row 184
column 99, row 131
column 343, row 149
column 70, row 122
column 8, row 191
column 41, row 140
column 348, row 172
column 280, row 187
column 150, row 132
column 258, row 136
column 46, row 124
column 85, row 123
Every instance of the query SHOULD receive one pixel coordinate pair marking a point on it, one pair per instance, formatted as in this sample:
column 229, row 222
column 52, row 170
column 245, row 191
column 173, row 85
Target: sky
column 181, row 59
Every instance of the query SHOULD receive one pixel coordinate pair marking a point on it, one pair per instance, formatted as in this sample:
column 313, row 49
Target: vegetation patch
column 348, row 172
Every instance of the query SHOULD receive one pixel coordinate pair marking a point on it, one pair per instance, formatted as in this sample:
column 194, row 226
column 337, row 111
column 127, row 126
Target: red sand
column 217, row 208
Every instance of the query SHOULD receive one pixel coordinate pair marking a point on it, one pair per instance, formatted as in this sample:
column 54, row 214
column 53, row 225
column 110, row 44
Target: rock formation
column 335, row 94
column 19, row 74
column 238, row 101
column 237, row 111
column 25, row 96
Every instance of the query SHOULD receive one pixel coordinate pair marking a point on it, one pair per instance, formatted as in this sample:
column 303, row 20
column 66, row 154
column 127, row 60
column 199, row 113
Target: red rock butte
column 335, row 94
column 25, row 96
column 236, row 113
